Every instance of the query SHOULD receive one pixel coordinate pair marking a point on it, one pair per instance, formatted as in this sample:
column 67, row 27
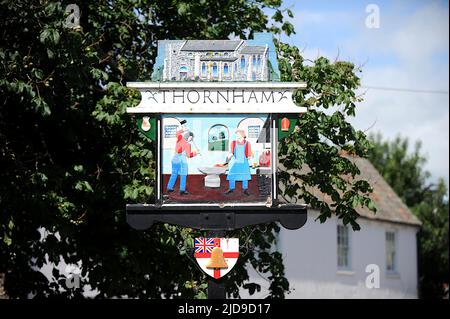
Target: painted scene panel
column 216, row 158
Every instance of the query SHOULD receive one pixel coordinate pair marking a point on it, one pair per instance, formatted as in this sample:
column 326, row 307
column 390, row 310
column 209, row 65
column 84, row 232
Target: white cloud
column 408, row 51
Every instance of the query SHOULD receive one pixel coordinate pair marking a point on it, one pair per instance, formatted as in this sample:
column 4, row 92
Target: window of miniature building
column 170, row 130
column 253, row 76
column 203, row 68
column 254, row 62
column 215, row 70
column 225, row 69
column 218, row 138
column 259, row 61
column 183, row 72
column 242, row 63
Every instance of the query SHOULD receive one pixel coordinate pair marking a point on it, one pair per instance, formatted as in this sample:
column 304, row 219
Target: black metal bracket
column 143, row 216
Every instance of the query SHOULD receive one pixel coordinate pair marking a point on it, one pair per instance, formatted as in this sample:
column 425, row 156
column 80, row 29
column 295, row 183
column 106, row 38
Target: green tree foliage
column 71, row 158
column 404, row 171
column 321, row 138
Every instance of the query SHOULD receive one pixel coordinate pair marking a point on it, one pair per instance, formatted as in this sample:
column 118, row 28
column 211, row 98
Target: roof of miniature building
column 211, row 45
column 253, row 49
column 390, row 207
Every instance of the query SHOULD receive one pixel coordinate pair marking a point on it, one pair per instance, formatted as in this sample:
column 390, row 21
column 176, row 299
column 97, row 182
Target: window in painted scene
column 253, row 131
column 215, row 70
column 218, row 138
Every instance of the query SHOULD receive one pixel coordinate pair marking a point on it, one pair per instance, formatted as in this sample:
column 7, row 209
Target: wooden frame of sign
column 200, row 102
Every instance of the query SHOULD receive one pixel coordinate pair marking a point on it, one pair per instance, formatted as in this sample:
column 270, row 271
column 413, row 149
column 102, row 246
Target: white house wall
column 310, row 258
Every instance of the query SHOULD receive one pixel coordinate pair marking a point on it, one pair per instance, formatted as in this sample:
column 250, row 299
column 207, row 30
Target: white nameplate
column 216, row 97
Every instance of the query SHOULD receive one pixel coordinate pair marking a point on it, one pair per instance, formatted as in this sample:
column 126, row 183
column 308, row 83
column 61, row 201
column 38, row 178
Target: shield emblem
column 216, row 256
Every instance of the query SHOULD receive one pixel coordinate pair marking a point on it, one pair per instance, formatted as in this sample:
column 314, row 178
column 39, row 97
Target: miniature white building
column 215, row 60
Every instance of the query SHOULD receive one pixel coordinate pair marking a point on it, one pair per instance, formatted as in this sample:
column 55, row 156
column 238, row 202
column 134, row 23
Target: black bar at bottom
column 143, row 216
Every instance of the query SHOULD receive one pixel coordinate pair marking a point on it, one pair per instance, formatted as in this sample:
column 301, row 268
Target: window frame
column 203, row 69
column 348, row 265
column 227, row 73
column 394, row 269
column 243, row 63
column 215, row 70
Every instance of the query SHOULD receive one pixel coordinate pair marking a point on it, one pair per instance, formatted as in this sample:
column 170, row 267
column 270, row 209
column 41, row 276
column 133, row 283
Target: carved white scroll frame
column 217, row 97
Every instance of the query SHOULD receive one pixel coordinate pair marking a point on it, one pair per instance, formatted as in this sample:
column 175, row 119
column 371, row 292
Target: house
column 331, row 261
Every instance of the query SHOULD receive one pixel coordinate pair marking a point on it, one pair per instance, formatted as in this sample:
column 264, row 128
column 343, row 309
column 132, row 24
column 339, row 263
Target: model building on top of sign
column 217, row 60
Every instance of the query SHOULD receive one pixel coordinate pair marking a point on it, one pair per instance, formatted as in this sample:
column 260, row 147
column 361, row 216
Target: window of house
column 242, row 63
column 218, row 138
column 343, row 247
column 253, row 131
column 215, row 70
column 391, row 257
column 170, row 130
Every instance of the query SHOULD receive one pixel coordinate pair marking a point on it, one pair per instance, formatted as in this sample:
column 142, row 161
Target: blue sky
column 410, row 50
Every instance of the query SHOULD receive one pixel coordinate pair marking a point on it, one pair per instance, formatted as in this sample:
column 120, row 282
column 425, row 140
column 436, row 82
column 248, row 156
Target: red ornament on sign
column 285, row 124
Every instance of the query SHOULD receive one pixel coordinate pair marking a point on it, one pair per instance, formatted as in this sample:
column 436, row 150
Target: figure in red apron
column 179, row 160
column 239, row 171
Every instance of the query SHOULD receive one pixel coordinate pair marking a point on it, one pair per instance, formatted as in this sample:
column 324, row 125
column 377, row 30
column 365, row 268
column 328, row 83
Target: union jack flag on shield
column 229, row 250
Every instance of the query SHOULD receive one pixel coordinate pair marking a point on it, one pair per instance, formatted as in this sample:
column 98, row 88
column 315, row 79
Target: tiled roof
column 253, row 49
column 390, row 207
column 210, row 45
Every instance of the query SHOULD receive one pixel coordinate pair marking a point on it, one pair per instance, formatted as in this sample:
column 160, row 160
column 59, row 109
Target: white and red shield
column 202, row 253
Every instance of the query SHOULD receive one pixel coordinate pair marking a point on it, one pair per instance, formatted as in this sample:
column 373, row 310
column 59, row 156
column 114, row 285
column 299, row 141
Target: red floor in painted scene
column 199, row 193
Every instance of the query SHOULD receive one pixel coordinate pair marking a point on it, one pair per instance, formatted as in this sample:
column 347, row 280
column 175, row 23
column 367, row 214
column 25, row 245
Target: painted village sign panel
column 216, row 111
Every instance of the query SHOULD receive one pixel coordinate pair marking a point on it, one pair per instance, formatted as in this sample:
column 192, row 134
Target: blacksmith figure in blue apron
column 241, row 151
